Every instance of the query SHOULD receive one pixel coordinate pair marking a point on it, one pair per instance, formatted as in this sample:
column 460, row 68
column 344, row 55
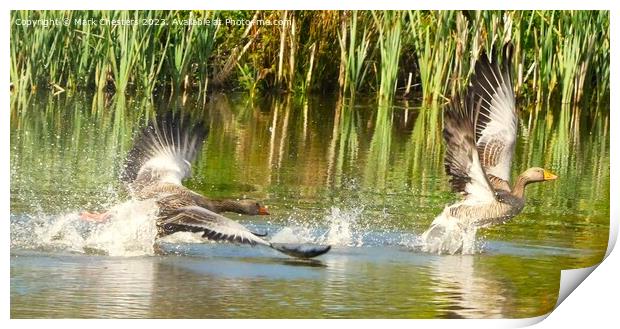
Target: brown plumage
column 179, row 196
column 480, row 130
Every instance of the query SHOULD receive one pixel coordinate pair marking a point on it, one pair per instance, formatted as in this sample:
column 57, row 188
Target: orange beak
column 547, row 175
column 263, row 211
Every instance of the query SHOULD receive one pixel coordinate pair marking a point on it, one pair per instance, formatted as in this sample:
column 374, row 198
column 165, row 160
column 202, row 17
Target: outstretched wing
column 163, row 152
column 461, row 159
column 492, row 100
column 215, row 227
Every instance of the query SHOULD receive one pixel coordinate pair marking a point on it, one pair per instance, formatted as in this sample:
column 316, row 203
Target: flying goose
column 157, row 165
column 480, row 129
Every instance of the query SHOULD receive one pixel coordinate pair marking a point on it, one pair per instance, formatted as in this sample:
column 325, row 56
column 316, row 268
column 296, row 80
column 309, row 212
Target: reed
column 430, row 35
column 389, row 26
column 559, row 55
column 356, row 66
column 152, row 62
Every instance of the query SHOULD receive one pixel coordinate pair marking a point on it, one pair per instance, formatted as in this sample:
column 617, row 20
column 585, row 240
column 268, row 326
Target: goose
column 243, row 207
column 480, row 130
column 155, row 168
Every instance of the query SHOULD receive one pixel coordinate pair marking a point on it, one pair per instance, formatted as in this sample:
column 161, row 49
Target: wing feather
column 162, row 153
column 461, row 158
column 492, row 101
column 215, row 226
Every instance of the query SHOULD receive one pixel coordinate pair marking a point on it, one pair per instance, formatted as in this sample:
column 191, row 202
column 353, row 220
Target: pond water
column 368, row 180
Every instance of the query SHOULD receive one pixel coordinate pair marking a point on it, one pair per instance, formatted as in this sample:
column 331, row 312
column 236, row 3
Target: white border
column 595, row 303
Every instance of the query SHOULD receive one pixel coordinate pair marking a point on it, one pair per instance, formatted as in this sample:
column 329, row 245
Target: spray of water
column 448, row 235
column 130, row 231
column 343, row 229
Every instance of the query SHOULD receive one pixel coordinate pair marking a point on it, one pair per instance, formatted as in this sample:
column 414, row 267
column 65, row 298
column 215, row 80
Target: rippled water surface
column 366, row 180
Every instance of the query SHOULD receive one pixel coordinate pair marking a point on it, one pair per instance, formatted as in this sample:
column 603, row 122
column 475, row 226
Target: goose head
column 532, row 175
column 537, row 174
column 251, row 207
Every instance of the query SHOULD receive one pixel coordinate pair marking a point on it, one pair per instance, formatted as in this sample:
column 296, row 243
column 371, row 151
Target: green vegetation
column 559, row 55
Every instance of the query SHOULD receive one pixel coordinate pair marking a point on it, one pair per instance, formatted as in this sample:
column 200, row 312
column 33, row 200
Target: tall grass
column 356, row 53
column 389, row 24
column 123, row 58
column 559, row 55
column 434, row 54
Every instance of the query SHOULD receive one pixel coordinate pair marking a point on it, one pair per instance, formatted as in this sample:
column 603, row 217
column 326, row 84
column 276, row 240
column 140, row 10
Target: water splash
column 295, row 234
column 343, row 229
column 448, row 235
column 130, row 231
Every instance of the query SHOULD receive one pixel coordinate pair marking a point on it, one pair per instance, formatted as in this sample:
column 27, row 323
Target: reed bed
column 560, row 56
